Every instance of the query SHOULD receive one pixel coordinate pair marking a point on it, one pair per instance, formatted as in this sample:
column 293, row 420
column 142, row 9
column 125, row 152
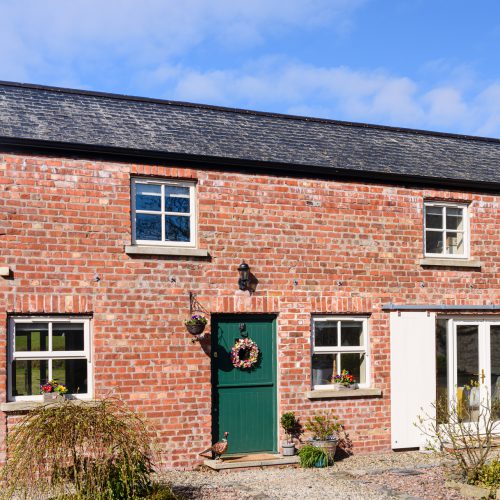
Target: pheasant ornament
column 218, row 448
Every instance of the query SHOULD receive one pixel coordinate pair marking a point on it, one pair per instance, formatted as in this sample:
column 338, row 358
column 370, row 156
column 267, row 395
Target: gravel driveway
column 393, row 475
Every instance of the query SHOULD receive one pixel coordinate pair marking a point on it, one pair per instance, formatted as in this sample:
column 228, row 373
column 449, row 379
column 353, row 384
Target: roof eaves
column 292, row 168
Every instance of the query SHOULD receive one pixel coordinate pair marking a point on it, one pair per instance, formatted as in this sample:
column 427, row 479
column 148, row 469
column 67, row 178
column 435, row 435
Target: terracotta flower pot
column 329, row 445
column 49, row 397
column 288, row 449
column 195, row 328
column 341, row 387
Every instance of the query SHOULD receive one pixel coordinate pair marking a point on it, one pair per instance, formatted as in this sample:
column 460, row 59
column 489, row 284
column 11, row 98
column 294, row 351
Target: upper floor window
column 339, row 343
column 446, row 230
column 163, row 212
column 43, row 349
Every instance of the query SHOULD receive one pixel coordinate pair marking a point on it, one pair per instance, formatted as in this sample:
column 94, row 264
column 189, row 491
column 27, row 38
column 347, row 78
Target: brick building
column 370, row 248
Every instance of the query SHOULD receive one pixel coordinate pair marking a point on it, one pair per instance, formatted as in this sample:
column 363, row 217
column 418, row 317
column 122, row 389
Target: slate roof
column 97, row 121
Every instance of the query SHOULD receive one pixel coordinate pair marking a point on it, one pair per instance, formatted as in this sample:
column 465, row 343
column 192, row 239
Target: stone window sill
column 438, row 262
column 350, row 393
column 16, row 406
column 159, row 250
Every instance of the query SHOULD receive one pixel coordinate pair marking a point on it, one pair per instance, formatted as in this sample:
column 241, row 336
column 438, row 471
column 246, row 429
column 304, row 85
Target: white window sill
column 447, row 262
column 15, row 406
column 350, row 393
column 160, row 250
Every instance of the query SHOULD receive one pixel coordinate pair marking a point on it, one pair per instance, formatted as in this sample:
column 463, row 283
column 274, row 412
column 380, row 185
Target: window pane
column 467, row 372
column 441, row 370
column 454, row 243
column 28, row 376
column 495, row 367
column 32, row 337
column 174, row 203
column 72, row 373
column 67, row 336
column 177, row 228
column 433, row 242
column 148, row 197
column 356, row 365
column 351, row 333
column 325, row 333
column 454, row 218
column 434, row 217
column 148, row 227
column 324, row 366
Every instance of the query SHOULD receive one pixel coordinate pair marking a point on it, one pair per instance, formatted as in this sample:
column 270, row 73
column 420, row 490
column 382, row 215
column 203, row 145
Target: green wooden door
column 244, row 401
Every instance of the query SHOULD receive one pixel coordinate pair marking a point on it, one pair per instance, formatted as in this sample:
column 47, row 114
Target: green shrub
column 290, row 425
column 489, row 475
column 99, row 450
column 311, row 456
column 324, row 426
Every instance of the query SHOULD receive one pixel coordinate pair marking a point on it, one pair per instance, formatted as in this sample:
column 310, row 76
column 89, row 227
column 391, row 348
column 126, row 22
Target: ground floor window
column 339, row 343
column 467, row 364
column 43, row 349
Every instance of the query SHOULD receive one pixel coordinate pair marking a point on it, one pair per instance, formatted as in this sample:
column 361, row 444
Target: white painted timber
column 413, row 375
column 4, row 271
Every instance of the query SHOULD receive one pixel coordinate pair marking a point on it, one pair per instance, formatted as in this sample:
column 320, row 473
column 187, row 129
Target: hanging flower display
column 244, row 353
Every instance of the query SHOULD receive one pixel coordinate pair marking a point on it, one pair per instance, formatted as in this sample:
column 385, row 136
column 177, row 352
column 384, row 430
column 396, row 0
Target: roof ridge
column 153, row 100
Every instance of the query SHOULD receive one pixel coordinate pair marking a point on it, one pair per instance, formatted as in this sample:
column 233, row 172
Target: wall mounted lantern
column 244, row 271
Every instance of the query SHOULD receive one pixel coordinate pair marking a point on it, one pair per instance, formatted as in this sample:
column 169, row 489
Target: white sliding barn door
column 413, row 375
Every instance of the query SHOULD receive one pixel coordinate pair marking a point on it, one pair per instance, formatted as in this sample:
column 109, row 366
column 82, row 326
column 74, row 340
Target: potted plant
column 324, row 429
column 196, row 324
column 312, row 456
column 344, row 381
column 290, row 425
column 52, row 390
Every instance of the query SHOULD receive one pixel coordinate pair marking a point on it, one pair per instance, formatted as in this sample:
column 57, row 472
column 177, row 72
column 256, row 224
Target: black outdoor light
column 244, row 270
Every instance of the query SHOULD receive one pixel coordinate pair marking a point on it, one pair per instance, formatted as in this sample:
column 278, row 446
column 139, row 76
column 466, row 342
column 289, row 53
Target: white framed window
column 339, row 343
column 163, row 212
column 42, row 349
column 446, row 230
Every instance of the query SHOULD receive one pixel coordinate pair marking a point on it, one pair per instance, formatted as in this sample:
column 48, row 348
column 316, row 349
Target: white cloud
column 155, row 47
column 54, row 40
column 343, row 93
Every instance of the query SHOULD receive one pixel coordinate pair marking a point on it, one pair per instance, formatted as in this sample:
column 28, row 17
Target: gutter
column 126, row 154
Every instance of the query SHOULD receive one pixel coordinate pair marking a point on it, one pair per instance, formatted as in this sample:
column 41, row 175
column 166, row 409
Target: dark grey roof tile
column 101, row 120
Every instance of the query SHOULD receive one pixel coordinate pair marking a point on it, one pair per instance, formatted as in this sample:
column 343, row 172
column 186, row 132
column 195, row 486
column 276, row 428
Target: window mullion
column 50, row 337
column 162, row 207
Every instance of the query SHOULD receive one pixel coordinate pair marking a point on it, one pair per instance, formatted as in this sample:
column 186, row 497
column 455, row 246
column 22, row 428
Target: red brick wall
column 63, row 221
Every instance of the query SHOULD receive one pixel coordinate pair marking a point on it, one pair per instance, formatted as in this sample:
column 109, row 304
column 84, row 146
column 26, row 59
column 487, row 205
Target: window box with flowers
column 52, row 391
column 344, row 381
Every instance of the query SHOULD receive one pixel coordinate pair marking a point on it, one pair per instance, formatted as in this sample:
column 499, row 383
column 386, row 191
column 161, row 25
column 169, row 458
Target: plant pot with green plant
column 324, row 429
column 312, row 456
column 291, row 426
column 196, row 324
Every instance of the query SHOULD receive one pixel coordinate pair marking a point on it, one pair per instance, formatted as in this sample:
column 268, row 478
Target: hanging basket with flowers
column 196, row 324
column 244, row 354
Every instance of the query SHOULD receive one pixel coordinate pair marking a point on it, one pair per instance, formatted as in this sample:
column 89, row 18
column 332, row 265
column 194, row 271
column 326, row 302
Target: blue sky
column 431, row 64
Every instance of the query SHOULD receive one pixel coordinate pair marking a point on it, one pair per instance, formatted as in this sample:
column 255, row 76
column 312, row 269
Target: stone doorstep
column 228, row 463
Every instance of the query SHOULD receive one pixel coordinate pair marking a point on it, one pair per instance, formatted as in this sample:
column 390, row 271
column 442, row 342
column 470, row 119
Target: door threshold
column 251, row 460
